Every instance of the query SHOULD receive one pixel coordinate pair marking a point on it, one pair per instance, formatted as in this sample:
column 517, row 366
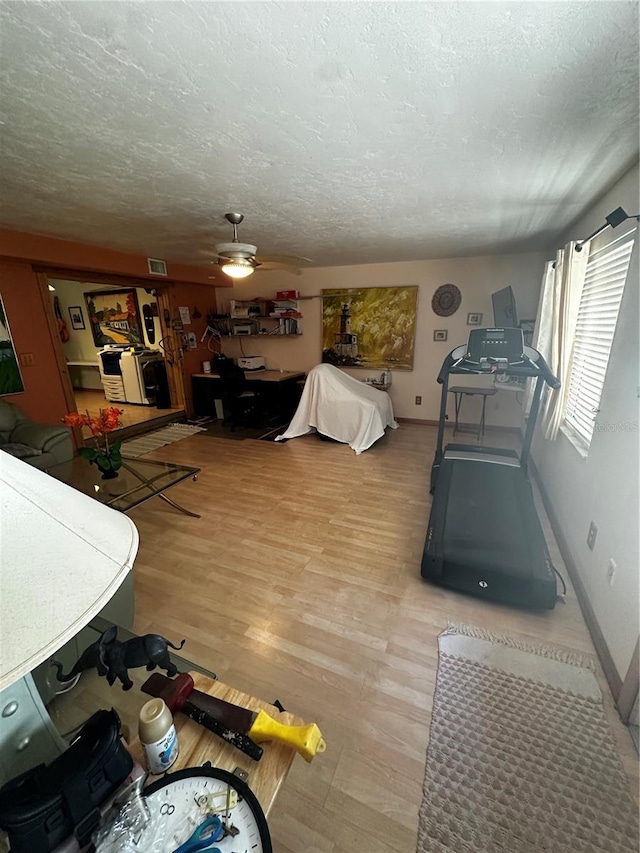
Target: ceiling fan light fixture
column 238, row 268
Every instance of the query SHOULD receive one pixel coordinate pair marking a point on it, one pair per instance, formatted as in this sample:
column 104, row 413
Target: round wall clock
column 201, row 803
column 446, row 300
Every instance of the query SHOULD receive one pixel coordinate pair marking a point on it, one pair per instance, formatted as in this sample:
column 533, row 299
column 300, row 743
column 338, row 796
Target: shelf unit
column 278, row 318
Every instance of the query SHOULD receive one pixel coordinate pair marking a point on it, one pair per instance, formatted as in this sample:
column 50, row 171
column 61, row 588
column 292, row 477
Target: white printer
column 252, row 362
column 122, row 373
column 134, row 378
column 111, row 372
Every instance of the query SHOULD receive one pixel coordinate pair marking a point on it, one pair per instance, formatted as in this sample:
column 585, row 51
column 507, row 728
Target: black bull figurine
column 113, row 658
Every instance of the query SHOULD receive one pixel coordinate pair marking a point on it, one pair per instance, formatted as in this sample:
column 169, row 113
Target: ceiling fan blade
column 286, row 260
column 269, row 266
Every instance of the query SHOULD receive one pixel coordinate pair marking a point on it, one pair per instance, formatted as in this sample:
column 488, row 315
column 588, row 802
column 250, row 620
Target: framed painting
column 10, row 376
column 114, row 316
column 77, row 320
column 370, row 327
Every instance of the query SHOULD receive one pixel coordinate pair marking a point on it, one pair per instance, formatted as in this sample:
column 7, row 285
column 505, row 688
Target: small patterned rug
column 521, row 758
column 159, row 438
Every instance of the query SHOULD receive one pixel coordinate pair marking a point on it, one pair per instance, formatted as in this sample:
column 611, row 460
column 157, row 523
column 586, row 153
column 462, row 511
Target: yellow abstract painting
column 372, row 327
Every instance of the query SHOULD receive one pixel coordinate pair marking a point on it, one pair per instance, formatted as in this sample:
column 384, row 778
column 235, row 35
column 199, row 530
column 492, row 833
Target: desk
column 459, row 391
column 80, row 365
column 279, row 392
column 197, row 745
column 260, row 375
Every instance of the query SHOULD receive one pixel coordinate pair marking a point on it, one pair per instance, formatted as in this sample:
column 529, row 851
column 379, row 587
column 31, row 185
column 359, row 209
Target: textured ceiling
column 345, row 132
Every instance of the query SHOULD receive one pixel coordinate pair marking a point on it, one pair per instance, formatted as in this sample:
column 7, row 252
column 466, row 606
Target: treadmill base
column 484, row 537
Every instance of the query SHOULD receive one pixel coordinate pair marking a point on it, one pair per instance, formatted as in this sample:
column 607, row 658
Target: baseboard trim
column 611, row 673
column 630, row 686
column 419, row 421
column 469, row 428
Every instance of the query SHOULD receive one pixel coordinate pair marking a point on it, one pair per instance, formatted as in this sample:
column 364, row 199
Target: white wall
column 477, row 279
column 604, row 487
column 80, row 346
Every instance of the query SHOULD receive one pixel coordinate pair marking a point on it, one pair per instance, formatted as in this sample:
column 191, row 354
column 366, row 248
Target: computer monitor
column 504, row 309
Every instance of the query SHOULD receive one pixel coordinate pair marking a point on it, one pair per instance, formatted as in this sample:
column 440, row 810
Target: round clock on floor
column 205, row 804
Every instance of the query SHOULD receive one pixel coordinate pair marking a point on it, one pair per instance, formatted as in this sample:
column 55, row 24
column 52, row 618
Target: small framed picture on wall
column 77, row 320
column 474, row 319
column 440, row 335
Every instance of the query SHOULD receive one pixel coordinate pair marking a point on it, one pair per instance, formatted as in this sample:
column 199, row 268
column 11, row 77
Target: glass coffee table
column 137, row 481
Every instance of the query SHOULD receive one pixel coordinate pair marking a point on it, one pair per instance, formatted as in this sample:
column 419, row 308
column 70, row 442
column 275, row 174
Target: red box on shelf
column 287, row 294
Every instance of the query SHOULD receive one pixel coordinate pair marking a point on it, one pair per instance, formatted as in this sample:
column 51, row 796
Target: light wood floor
column 92, row 400
column 301, row 582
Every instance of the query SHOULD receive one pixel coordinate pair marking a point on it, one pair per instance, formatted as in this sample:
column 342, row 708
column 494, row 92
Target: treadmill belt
column 488, row 518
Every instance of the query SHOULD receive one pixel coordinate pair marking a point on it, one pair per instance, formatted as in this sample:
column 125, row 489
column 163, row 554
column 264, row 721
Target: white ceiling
column 345, row 132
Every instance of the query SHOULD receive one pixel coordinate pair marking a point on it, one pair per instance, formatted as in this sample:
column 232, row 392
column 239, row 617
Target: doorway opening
column 116, row 350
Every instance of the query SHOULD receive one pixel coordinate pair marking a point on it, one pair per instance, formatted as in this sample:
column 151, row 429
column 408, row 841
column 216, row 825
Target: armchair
column 41, row 445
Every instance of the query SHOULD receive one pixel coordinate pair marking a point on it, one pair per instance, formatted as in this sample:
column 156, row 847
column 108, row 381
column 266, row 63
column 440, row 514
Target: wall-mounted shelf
column 264, row 318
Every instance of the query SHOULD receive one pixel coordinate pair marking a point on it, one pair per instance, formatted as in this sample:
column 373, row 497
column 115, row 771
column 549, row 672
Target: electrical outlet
column 418, row 401
column 26, row 359
column 592, row 535
column 611, row 571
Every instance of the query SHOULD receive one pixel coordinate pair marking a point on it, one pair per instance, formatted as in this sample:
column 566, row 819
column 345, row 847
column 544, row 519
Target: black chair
column 241, row 406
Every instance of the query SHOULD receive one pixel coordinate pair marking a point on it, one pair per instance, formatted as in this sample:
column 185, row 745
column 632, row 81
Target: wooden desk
column 260, row 375
column 279, row 392
column 197, row 745
column 76, row 373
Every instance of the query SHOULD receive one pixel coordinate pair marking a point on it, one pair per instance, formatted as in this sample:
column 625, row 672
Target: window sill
column 576, row 440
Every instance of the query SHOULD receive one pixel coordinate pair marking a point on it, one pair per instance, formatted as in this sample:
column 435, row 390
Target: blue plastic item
column 209, row 831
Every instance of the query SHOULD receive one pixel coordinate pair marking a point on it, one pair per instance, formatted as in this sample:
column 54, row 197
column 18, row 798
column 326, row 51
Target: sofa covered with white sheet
column 342, row 408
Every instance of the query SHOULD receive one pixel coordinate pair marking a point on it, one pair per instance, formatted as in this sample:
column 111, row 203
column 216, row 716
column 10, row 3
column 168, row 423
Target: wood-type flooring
column 301, row 582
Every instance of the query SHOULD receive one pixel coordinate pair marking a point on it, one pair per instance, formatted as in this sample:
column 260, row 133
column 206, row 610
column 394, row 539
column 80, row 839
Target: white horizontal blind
column 597, row 316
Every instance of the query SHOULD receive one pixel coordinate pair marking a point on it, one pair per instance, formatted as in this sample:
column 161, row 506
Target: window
column 597, row 316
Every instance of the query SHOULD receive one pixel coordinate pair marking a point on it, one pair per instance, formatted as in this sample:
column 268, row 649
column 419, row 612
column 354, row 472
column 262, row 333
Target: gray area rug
column 521, row 758
column 159, row 438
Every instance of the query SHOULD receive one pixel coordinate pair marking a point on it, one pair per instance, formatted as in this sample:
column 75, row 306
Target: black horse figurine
column 112, row 658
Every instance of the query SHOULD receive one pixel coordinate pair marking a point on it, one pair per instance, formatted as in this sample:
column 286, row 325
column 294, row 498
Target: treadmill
column 484, row 536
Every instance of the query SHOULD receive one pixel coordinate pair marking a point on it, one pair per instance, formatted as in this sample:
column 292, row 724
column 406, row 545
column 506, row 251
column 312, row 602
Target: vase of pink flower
column 105, row 455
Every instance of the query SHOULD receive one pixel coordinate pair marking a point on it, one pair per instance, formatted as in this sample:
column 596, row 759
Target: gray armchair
column 40, row 445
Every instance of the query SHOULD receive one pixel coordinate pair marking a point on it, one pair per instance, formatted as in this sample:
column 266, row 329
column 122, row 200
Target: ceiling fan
column 239, row 260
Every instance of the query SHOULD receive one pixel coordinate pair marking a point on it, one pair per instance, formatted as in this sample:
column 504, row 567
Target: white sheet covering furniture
column 342, row 408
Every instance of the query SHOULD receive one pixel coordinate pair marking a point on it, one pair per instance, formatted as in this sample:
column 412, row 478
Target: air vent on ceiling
column 156, row 266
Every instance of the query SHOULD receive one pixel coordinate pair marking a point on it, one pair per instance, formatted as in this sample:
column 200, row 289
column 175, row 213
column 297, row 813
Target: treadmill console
column 495, row 349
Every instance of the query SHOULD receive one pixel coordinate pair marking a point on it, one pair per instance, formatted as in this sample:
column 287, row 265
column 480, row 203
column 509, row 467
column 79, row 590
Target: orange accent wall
column 36, row 248
column 202, row 298
column 43, row 399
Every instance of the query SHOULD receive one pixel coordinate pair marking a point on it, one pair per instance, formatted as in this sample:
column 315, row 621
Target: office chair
column 241, row 407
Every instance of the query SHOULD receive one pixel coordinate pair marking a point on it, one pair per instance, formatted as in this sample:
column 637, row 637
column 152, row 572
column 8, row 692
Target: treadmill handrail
column 445, row 370
column 545, row 371
column 456, row 364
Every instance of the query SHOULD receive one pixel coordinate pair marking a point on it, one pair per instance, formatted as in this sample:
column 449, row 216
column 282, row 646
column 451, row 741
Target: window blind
column 596, row 324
